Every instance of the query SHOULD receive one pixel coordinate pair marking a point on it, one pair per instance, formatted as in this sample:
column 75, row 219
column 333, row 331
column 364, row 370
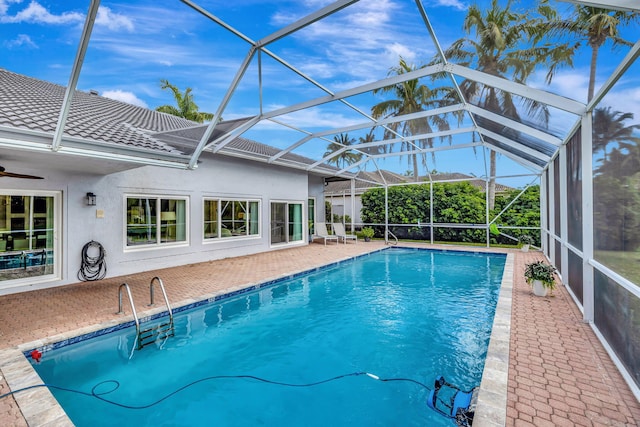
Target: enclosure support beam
column 544, row 219
column 628, row 5
column 486, row 211
column 223, row 104
column 552, row 208
column 564, row 224
column 353, row 205
column 75, row 73
column 431, row 209
column 386, row 214
column 588, row 292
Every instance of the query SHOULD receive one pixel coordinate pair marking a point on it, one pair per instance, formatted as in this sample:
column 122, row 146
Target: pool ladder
column 387, row 242
column 148, row 335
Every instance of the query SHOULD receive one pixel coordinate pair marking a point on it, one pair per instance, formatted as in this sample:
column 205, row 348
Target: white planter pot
column 539, row 289
column 525, row 248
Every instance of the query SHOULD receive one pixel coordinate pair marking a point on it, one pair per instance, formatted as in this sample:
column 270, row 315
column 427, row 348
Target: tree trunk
column 592, row 72
column 492, row 180
column 416, row 171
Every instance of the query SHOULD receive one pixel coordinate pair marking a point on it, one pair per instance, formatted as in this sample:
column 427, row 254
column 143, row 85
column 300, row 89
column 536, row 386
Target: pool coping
column 40, row 408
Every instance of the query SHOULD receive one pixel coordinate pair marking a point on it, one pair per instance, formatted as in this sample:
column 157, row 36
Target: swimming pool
column 399, row 313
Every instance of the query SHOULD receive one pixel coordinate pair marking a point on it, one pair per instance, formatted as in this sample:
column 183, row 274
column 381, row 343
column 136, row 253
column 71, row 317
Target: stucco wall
column 342, row 204
column 216, row 176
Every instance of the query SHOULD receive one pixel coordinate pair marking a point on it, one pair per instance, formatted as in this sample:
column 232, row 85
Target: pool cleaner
column 445, row 399
column 453, row 403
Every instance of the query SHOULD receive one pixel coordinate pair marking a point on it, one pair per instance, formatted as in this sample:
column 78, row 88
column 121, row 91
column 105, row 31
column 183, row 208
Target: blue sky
column 136, row 43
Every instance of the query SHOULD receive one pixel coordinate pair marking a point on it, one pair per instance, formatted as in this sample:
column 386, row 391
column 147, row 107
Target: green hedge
column 457, row 203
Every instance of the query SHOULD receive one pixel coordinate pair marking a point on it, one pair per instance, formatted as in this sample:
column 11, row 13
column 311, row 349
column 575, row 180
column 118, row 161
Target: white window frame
column 57, row 245
column 158, row 243
column 220, row 200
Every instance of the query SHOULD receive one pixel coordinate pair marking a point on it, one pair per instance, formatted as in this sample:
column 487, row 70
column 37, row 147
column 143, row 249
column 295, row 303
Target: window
column 286, row 222
column 231, row 218
column 28, row 225
column 154, row 221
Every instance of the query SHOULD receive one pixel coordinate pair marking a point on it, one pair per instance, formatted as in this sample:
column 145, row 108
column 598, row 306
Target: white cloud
column 282, row 18
column 625, row 101
column 317, row 4
column 571, row 83
column 123, row 96
column 397, row 49
column 4, row 5
column 456, row 4
column 36, row 13
column 311, row 118
column 19, row 41
column 574, row 84
column 113, row 21
column 365, row 36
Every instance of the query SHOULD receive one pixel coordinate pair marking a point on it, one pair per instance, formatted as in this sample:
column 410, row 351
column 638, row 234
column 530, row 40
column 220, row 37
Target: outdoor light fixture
column 91, row 199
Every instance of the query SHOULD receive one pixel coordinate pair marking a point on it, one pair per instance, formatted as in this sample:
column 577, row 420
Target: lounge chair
column 338, row 229
column 322, row 233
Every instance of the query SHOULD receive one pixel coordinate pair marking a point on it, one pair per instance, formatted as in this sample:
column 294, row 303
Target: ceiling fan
column 17, row 175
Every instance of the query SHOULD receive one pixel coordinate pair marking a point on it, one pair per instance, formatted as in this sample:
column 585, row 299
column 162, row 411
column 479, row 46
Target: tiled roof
column 189, row 138
column 32, row 104
column 365, row 180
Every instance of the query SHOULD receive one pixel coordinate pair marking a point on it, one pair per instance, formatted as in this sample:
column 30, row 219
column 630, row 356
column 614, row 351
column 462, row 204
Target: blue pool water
column 398, row 313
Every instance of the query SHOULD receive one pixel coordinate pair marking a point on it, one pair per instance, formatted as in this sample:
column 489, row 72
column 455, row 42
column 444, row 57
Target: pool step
column 150, row 335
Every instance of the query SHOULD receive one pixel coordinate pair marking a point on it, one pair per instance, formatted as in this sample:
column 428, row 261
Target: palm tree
column 609, row 127
column 411, row 97
column 373, row 150
column 186, row 108
column 511, row 45
column 346, row 157
column 595, row 26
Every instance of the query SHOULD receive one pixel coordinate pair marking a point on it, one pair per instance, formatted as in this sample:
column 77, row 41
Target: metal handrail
column 392, row 235
column 164, row 294
column 133, row 308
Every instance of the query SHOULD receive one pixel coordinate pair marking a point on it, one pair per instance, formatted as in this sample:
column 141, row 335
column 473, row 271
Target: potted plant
column 541, row 278
column 367, row 233
column 525, row 242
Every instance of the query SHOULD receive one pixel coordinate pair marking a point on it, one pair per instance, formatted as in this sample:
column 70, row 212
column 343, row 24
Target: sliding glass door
column 287, row 221
column 28, row 225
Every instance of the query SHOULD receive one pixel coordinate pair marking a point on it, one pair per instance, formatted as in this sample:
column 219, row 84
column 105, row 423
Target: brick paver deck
column 559, row 373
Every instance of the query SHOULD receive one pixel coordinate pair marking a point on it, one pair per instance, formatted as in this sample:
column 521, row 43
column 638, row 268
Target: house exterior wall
column 316, row 191
column 216, row 176
column 342, row 204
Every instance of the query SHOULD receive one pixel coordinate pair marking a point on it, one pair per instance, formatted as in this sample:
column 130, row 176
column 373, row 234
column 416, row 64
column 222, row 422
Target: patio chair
column 322, row 233
column 338, row 229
